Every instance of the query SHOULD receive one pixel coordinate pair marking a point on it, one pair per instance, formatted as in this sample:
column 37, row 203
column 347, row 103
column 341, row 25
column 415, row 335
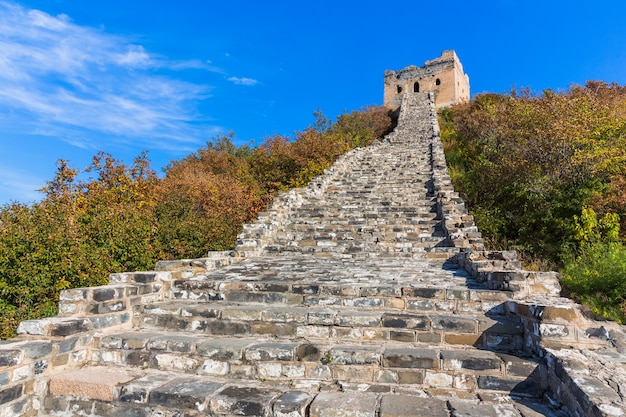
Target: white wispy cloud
column 59, row 77
column 18, row 185
column 243, row 80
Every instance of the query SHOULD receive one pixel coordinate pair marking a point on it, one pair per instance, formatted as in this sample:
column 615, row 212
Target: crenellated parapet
column 442, row 76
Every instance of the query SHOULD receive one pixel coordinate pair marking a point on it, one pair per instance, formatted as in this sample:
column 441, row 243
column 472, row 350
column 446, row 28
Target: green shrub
column 595, row 271
column 597, row 278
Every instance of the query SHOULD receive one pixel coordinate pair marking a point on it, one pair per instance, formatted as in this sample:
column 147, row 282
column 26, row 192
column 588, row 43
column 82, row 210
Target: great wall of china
column 367, row 293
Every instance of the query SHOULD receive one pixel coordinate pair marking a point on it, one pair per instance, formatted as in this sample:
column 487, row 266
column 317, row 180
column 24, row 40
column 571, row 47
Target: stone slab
column 411, row 358
column 97, row 383
column 243, row 401
column 189, row 393
column 292, row 404
column 410, row 406
column 338, row 404
column 472, row 409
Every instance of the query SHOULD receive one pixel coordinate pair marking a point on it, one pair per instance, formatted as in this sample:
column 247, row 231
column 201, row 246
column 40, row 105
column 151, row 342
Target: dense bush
column 594, row 272
column 113, row 217
column 529, row 164
column 80, row 232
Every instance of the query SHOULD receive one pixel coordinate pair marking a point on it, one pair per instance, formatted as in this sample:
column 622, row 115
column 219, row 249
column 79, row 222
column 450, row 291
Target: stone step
column 336, row 323
column 439, row 292
column 373, row 240
column 98, row 391
column 349, row 247
column 435, row 254
column 255, row 358
column 339, row 224
column 362, row 224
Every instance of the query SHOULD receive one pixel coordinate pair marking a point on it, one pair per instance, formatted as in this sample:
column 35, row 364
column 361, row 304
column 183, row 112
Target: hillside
column 542, row 174
column 546, row 175
column 125, row 218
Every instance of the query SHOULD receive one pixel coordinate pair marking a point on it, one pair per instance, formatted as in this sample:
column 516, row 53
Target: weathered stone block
column 346, row 333
column 266, row 370
column 409, row 406
column 243, row 401
column 285, row 315
column 380, row 291
column 114, row 410
column 307, row 352
column 358, row 318
column 293, row 371
column 322, row 301
column 423, row 305
column 554, row 330
column 168, row 361
column 223, row 349
column 438, row 379
column 375, row 334
column 77, row 294
column 470, row 409
column 242, row 314
column 271, row 352
column 10, row 357
column 333, row 404
column 410, row 358
column 322, row 372
column 455, row 324
column 291, row 404
column 96, row 383
column 313, row 331
column 520, row 387
column 69, row 327
column 412, row 377
column 134, row 341
column 435, row 293
column 22, row 373
column 355, row 355
column 322, row 317
column 363, row 302
column 227, row 327
column 475, row 360
column 273, row 329
column 203, row 311
column 138, row 390
column 305, row 289
column 386, row 376
column 501, row 342
column 11, row 393
column 189, row 393
column 406, row 321
column 402, row 336
column 428, row 337
column 457, row 294
column 137, row 358
column 103, row 294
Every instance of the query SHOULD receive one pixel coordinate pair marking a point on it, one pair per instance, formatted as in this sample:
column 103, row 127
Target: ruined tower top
column 444, row 76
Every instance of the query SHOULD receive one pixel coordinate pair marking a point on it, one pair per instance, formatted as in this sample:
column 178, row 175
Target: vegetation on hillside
column 546, row 175
column 113, row 217
column 543, row 174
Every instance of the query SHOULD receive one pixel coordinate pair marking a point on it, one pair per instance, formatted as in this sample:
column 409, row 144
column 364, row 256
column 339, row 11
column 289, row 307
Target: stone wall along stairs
column 367, row 293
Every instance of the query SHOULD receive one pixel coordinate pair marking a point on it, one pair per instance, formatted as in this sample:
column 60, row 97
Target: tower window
column 399, row 89
column 416, row 87
column 437, row 81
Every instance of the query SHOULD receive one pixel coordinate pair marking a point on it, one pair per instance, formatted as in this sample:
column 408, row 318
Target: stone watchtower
column 444, row 76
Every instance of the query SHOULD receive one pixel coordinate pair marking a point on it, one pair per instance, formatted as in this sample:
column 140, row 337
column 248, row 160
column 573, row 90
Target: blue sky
column 77, row 77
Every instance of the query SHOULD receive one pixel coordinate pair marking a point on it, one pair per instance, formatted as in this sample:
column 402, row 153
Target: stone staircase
column 367, row 293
